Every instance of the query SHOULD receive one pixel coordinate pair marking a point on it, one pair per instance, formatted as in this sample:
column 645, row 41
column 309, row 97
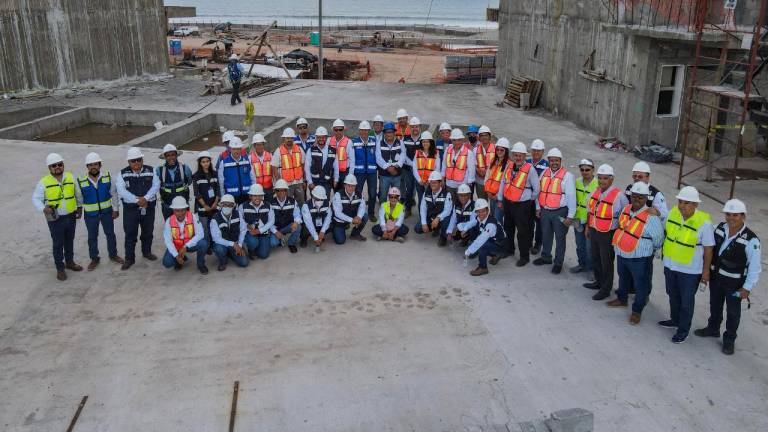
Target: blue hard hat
column 389, row 126
column 473, row 128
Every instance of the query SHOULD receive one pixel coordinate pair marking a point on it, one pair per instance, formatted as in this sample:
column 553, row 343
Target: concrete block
column 533, row 426
column 571, row 420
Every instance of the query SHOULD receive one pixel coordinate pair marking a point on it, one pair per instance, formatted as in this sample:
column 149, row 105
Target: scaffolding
column 729, row 94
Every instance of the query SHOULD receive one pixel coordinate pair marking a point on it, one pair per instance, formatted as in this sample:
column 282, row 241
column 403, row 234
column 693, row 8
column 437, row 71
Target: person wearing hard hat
column 472, row 132
column 321, row 166
column 391, row 218
column 316, row 214
column 348, row 210
column 345, row 152
column 435, row 210
column 304, row 139
column 378, row 128
column 101, row 206
column 555, row 209
column 517, row 196
column 183, row 233
column 259, row 219
column 641, row 171
column 287, row 211
column 235, row 73
column 235, row 172
column 688, row 249
column 426, row 160
column 459, row 164
column 603, row 210
column 402, row 129
column 365, row 165
column 735, row 271
column 288, row 164
column 261, row 162
column 638, row 236
column 585, row 185
column 494, row 175
column 137, row 187
column 390, row 158
column 61, row 203
column 485, row 151
column 205, row 189
column 175, row 179
column 463, row 212
column 487, row 237
column 443, row 139
column 540, row 163
column 410, row 144
column 228, row 230
column 226, row 137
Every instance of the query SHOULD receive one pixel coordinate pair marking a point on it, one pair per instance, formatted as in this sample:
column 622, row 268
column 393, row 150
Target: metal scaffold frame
column 724, row 94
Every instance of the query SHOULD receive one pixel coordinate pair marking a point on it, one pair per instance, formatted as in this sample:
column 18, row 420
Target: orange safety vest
column 182, row 236
column 456, row 171
column 400, row 133
column 551, row 188
column 600, row 214
column 291, row 164
column 630, row 229
column 484, row 158
column 341, row 152
column 514, row 187
column 263, row 170
column 493, row 182
column 424, row 164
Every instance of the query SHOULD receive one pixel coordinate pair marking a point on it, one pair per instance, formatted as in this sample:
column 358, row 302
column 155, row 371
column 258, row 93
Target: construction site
column 375, row 336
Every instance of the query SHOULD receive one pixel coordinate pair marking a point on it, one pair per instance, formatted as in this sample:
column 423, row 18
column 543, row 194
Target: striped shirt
column 652, row 238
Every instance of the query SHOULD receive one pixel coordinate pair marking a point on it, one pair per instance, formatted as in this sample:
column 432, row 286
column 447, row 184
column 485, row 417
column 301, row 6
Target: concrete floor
column 365, row 336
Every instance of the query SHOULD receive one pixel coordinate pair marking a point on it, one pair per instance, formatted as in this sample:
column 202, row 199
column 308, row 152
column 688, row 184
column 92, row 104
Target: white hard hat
column 338, row 123
column 134, row 153
column 364, row 125
column 484, row 129
column 319, row 193
column 235, row 143
column 586, row 162
column 302, row 121
column 734, row 206
column 605, row 170
column 457, row 134
column 92, row 158
column 502, row 143
column 233, row 57
column 350, row 179
column 642, row 167
column 53, row 158
column 321, row 131
column 402, row 113
column 640, row 188
column 414, row 121
column 553, row 152
column 393, row 190
column 690, row 194
column 444, row 126
column 228, row 135
column 426, row 135
column 435, row 176
column 258, row 138
column 288, row 133
column 464, row 189
column 537, row 144
column 227, row 198
column 519, row 147
column 204, row 153
column 280, row 184
column 256, row 189
column 169, row 148
column 378, row 118
column 179, row 203
column 481, row 204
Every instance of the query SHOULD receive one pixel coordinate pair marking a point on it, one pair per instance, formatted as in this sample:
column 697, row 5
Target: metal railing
column 679, row 15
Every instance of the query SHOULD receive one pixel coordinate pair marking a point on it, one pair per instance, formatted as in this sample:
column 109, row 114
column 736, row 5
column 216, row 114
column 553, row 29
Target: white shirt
column 469, row 174
column 296, row 212
column 310, row 223
column 338, row 211
column 532, row 186
column 216, row 232
column 199, row 234
column 752, row 249
column 277, row 163
column 38, row 197
column 130, row 198
column 485, row 234
column 447, row 206
column 308, row 164
column 383, row 218
column 705, row 236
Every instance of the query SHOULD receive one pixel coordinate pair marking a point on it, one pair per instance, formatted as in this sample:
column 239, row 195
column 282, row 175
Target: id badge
column 318, row 222
column 211, row 193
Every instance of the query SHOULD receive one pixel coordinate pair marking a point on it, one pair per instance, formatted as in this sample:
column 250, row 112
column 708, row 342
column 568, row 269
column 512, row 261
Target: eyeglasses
column 135, row 160
column 57, row 165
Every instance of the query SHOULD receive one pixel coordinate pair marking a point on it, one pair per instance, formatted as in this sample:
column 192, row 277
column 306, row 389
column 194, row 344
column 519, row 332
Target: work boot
column 541, row 261
column 591, row 285
column 358, row 237
column 591, row 277
column 707, row 332
column 557, row 268
column 126, row 265
column 442, row 241
column 576, row 269
column 61, row 275
column 634, row 318
column 400, row 239
column 616, row 303
column 728, row 347
column 494, row 259
column 117, row 259
column 176, row 266
column 479, row 271
column 73, row 266
column 435, row 233
column 535, row 250
column 203, row 270
column 292, row 248
column 521, row 262
column 92, row 265
column 150, row 256
column 601, row 295
column 222, row 267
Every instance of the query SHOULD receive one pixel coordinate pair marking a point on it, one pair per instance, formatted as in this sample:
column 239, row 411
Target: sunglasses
column 57, row 165
column 135, row 160
column 338, row 130
column 394, row 196
column 303, row 127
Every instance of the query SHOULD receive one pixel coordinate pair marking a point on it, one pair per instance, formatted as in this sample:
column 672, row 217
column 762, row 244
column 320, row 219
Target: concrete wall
column 56, row 43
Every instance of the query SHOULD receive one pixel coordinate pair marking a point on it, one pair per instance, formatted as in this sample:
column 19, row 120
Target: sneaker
column 479, row 271
column 591, row 285
column 521, row 262
column 576, row 269
column 634, row 318
column 728, row 347
column 601, row 295
column 203, row 270
column 541, row 261
column 668, row 324
column 535, row 250
column 557, row 268
column 707, row 332
column 616, row 303
column 292, row 248
column 679, row 338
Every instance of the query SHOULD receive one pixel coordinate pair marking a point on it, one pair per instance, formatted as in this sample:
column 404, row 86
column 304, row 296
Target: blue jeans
column 92, row 225
column 293, row 237
column 490, row 248
column 681, row 289
column 385, row 182
column 201, row 248
column 635, row 273
column 553, row 229
column 223, row 253
column 340, row 230
column 63, row 236
column 370, row 180
column 498, row 213
column 408, row 188
column 583, row 249
column 441, row 228
column 258, row 245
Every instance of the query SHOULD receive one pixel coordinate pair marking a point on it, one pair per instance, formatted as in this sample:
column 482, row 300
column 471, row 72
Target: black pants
column 63, row 236
column 719, row 294
column 132, row 221
column 518, row 217
column 235, row 93
column 603, row 257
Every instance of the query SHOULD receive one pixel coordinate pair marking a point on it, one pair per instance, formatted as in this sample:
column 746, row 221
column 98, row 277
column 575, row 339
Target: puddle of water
column 204, row 142
column 99, row 133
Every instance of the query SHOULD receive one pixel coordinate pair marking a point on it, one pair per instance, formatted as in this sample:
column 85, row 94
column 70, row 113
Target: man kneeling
column 259, row 219
column 435, row 210
column 487, row 236
column 228, row 233
column 287, row 227
column 348, row 210
column 183, row 233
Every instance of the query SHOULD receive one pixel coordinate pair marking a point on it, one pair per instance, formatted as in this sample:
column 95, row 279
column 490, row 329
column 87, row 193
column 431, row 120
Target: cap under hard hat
column 204, row 153
column 605, row 170
column 481, row 204
column 642, row 167
column 235, row 143
column 554, row 152
column 280, row 184
column 640, row 188
column 690, row 194
column 227, row 198
column 587, row 162
column 484, row 129
column 338, row 123
column 444, row 126
column 288, row 133
column 402, row 113
column 378, row 118
column 350, row 179
column 228, row 135
column 258, row 138
column 537, row 144
column 457, row 134
column 319, row 193
column 435, row 176
column 502, row 143
column 519, row 147
column 734, row 206
column 414, row 121
column 134, row 153
column 302, row 121
column 464, row 189
column 91, row 158
column 389, row 126
column 364, row 125
column 321, row 131
column 53, row 158
column 179, row 203
column 426, row 135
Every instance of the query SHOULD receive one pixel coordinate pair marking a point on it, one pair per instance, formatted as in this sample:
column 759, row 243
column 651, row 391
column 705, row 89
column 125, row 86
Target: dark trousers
column 368, row 180
column 537, row 230
column 340, row 230
column 259, row 245
column 132, row 221
column 408, row 188
column 441, row 228
column 553, row 229
column 681, row 289
column 92, row 225
column 635, row 273
column 719, row 294
column 200, row 250
column 490, row 248
column 518, row 216
column 235, row 93
column 603, row 257
column 63, row 236
column 378, row 232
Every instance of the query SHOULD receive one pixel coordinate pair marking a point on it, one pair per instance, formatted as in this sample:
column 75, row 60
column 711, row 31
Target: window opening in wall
column 670, row 91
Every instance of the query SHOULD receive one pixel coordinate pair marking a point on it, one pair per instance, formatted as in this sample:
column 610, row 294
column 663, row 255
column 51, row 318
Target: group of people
column 490, row 197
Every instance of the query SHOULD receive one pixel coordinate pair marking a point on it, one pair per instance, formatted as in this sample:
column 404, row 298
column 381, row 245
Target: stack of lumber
column 520, row 84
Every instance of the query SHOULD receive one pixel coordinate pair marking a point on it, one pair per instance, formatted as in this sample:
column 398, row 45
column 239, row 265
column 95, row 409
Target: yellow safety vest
column 682, row 236
column 582, row 197
column 394, row 214
column 60, row 194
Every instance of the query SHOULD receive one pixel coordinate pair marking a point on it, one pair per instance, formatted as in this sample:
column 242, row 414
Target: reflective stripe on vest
column 237, row 178
column 600, row 215
column 291, row 164
column 682, row 237
column 424, row 164
column 493, row 182
column 392, row 214
column 96, row 198
column 365, row 155
column 341, row 152
column 262, row 170
column 484, row 158
column 630, row 230
column 456, row 170
column 182, row 236
column 515, row 186
column 183, row 188
column 582, row 197
column 57, row 193
column 551, row 188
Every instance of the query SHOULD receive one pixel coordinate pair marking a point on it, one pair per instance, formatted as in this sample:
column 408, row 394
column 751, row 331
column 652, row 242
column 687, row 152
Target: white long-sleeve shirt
column 296, row 212
column 532, row 187
column 338, row 210
column 399, row 158
column 216, row 232
column 220, row 173
column 383, row 219
column 308, row 164
column 469, row 173
column 568, row 199
column 270, row 217
column 129, row 198
column 464, row 226
column 112, row 189
column 199, row 234
column 310, row 223
column 754, row 267
column 447, row 206
column 38, row 198
column 486, row 233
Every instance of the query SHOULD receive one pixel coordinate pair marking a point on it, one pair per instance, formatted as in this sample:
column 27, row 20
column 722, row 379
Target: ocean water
column 454, row 13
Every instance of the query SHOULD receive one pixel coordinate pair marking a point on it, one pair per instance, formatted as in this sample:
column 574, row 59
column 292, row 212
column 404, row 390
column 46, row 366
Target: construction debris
column 612, row 144
column 653, row 153
column 523, row 92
